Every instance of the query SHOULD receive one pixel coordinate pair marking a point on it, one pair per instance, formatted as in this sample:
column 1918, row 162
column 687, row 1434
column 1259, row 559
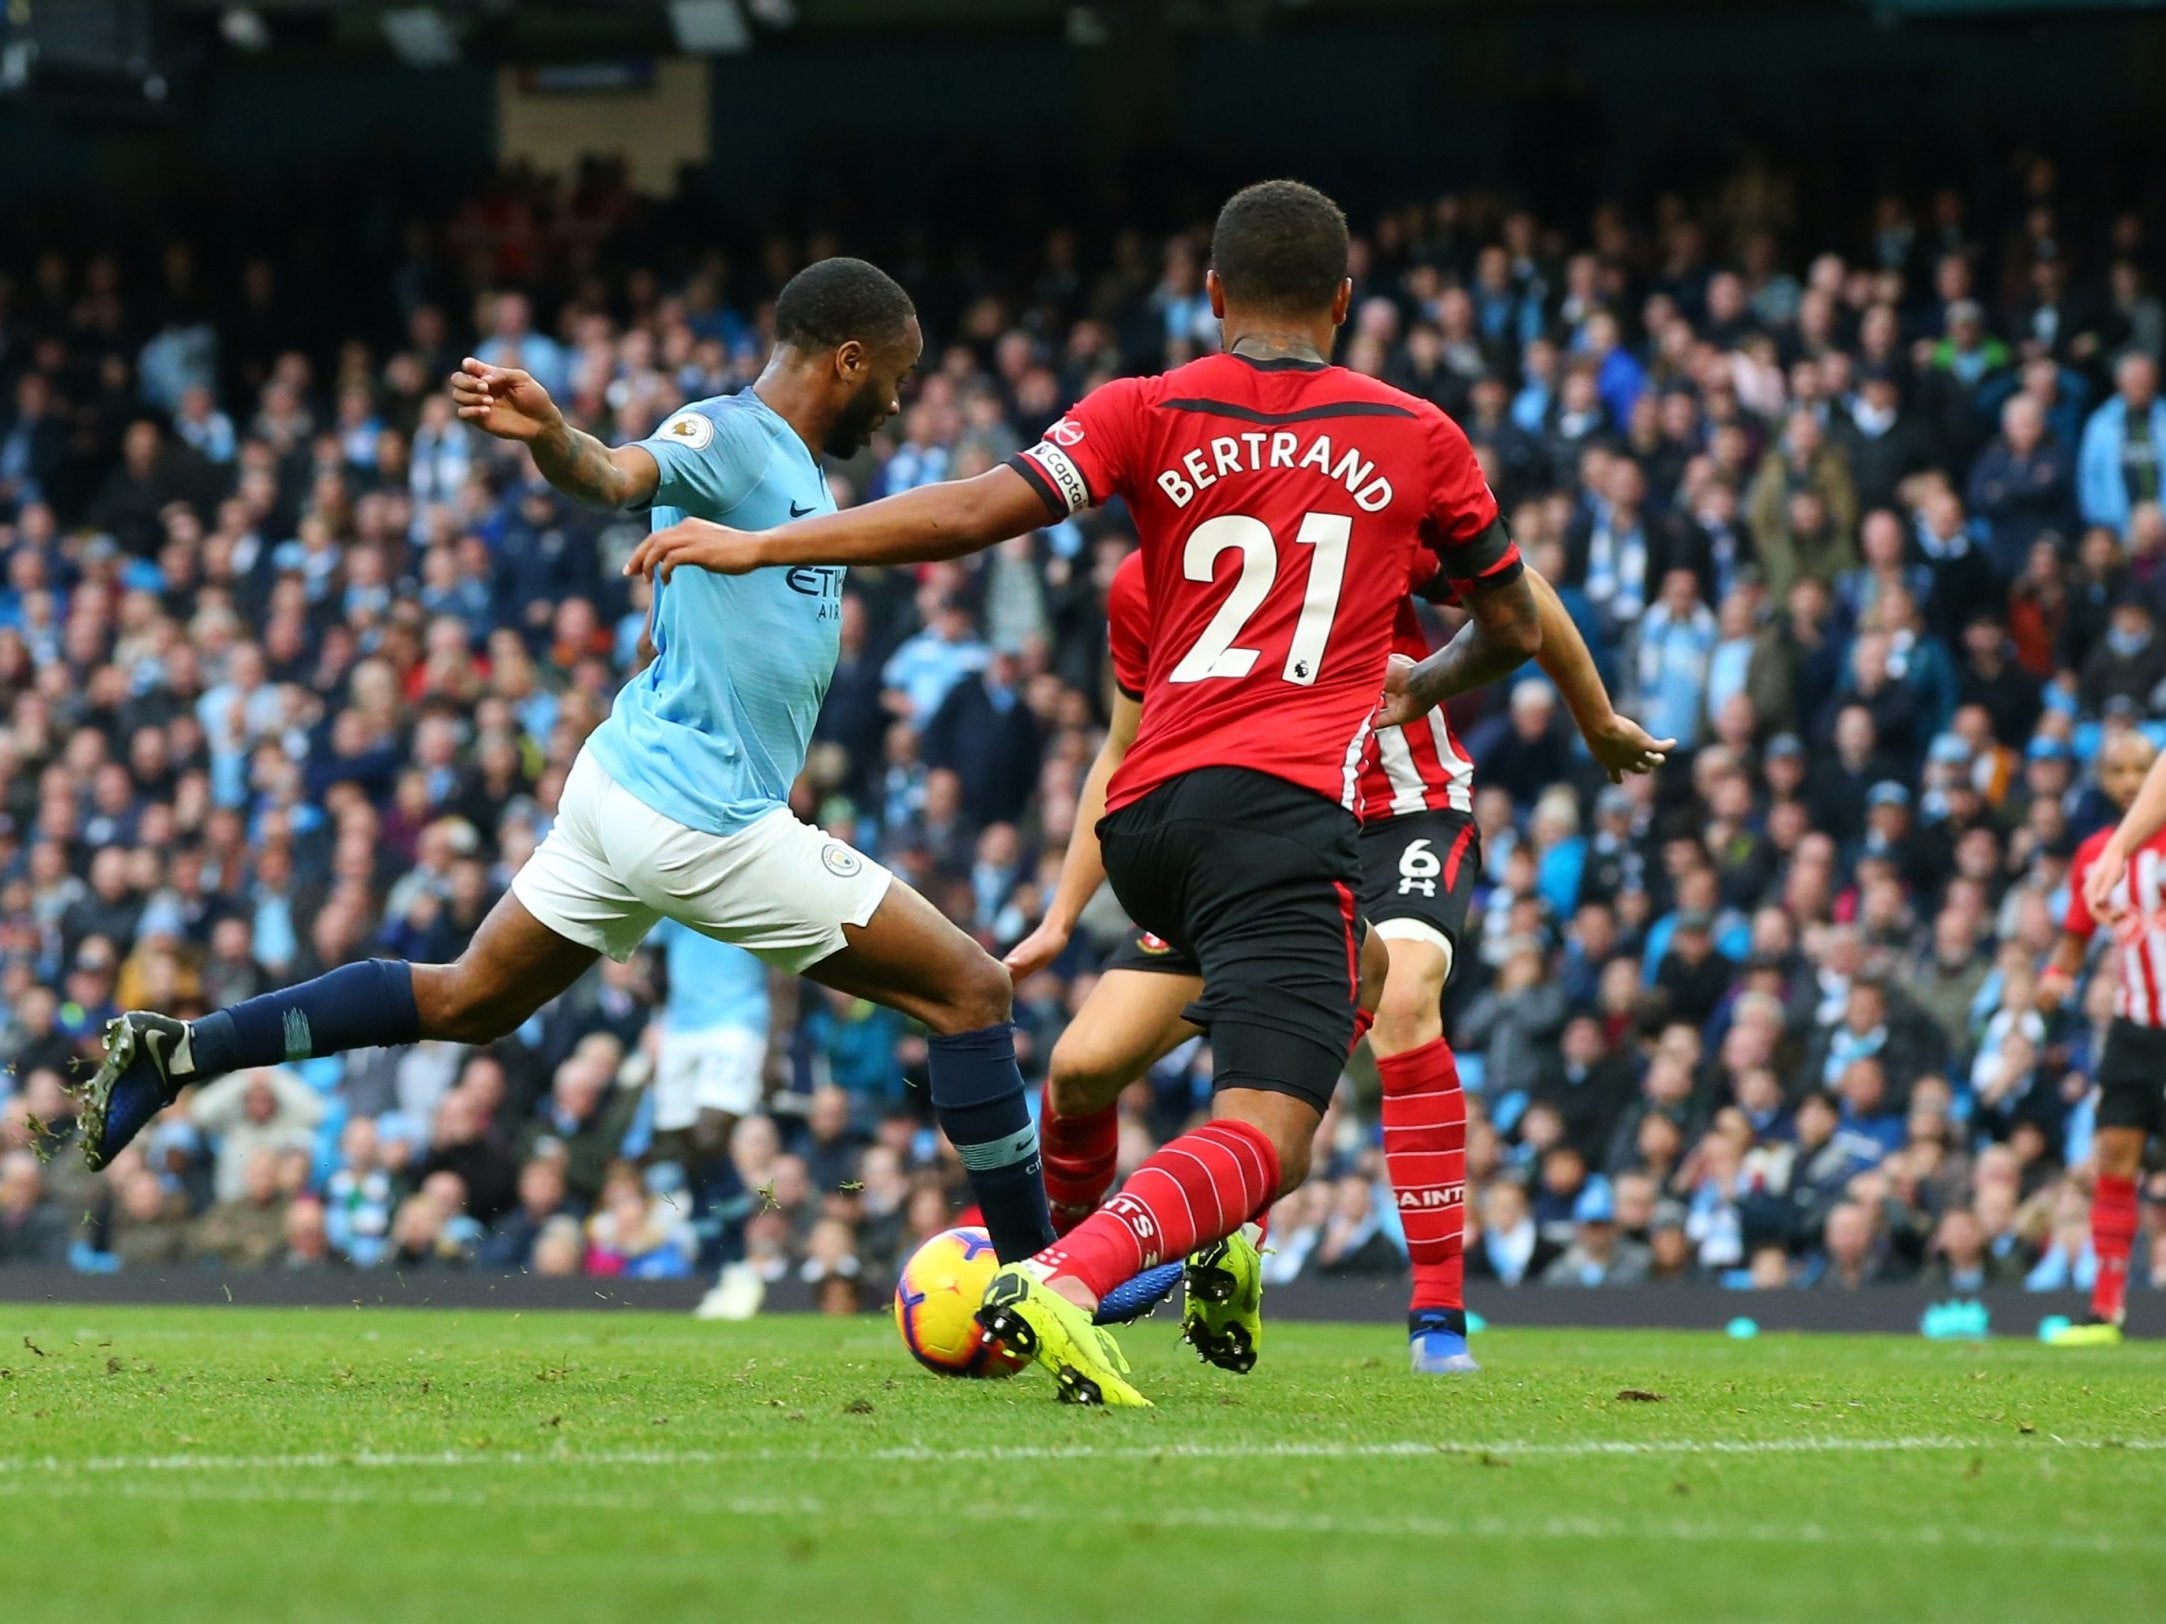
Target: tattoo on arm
column 1503, row 630
column 580, row 466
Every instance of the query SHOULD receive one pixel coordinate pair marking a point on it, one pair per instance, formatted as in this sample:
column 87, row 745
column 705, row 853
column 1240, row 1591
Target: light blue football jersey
column 714, row 731
column 712, row 985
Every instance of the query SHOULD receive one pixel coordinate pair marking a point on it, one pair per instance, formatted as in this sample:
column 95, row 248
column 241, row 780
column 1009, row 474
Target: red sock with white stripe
column 1425, row 1152
column 1080, row 1154
column 1197, row 1189
column 2113, row 1238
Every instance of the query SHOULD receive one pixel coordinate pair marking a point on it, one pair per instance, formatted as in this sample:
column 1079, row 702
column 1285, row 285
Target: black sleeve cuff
column 1055, row 507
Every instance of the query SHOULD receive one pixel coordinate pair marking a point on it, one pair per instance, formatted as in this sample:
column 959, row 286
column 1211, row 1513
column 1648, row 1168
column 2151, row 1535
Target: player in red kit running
column 1281, row 503
column 1420, row 855
column 2119, row 881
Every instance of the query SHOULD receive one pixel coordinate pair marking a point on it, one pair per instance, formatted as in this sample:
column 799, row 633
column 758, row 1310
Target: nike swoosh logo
column 797, row 512
column 154, row 1041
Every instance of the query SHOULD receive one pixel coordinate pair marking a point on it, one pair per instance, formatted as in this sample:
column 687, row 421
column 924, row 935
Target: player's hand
column 2052, row 990
column 698, row 543
column 1037, row 950
column 2106, row 871
column 1398, row 707
column 503, row 401
column 1620, row 745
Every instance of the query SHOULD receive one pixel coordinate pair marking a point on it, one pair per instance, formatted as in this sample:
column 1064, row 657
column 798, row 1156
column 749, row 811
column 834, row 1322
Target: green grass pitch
column 240, row 1465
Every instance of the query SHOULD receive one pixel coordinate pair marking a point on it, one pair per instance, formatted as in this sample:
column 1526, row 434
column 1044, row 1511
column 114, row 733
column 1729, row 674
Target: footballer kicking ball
column 936, row 1303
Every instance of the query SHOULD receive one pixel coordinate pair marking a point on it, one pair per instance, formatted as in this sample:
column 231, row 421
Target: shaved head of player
column 1278, row 277
column 844, row 341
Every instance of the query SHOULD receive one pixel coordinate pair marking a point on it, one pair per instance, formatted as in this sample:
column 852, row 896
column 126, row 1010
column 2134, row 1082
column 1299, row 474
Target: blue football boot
column 1140, row 1295
column 1438, row 1338
column 147, row 1062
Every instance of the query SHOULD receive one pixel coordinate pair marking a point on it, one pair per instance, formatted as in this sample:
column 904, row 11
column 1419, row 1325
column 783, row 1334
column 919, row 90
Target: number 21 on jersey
column 1216, row 653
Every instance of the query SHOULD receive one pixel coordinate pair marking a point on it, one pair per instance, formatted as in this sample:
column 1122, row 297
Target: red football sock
column 1198, row 1188
column 1425, row 1151
column 1080, row 1155
column 2113, row 1237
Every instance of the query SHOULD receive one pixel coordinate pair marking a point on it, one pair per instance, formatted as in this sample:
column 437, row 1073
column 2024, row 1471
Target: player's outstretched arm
column 2146, row 815
column 1503, row 632
column 2058, row 979
column 922, row 526
column 509, row 404
column 1619, row 744
column 1082, row 865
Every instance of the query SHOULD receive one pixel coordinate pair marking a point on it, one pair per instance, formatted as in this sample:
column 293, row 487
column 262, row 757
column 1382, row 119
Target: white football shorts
column 715, row 1070
column 611, row 866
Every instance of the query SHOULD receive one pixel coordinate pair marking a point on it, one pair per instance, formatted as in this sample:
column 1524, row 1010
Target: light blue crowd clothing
column 713, row 732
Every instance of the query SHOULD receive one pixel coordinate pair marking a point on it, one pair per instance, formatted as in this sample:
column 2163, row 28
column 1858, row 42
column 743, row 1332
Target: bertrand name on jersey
column 1228, row 454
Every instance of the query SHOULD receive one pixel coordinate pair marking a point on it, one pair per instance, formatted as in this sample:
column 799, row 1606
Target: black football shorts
column 1417, row 876
column 2132, row 1078
column 1257, row 881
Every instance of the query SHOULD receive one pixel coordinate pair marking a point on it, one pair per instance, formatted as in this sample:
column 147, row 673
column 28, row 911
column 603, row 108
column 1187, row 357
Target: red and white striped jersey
column 2139, row 940
column 1420, row 767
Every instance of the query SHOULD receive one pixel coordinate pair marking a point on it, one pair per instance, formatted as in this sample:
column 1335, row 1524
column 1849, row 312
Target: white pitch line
column 1237, row 1519
column 377, row 1460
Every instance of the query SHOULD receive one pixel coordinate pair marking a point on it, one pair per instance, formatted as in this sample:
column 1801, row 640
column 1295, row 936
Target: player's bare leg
column 911, row 958
column 1425, row 1141
column 1130, row 1020
column 513, row 966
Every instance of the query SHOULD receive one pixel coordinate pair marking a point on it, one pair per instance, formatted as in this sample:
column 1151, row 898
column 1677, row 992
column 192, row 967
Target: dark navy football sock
column 356, row 1006
column 978, row 1097
column 1453, row 1320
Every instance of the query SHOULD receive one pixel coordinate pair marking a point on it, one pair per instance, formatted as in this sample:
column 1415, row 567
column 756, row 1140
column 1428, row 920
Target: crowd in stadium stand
column 293, row 664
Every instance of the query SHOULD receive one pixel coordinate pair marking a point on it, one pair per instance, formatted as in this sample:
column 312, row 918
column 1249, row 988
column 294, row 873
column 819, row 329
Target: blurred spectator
column 542, row 1199
column 308, row 1245
column 1853, row 1249
column 246, row 1229
column 32, row 1229
column 149, row 1226
column 1676, row 644
column 266, row 1110
column 1598, row 1255
column 636, row 1233
column 2022, row 485
column 2118, row 466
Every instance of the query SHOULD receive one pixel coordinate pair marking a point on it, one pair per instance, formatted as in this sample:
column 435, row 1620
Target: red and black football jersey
column 1420, row 768
column 1128, row 628
column 1284, row 509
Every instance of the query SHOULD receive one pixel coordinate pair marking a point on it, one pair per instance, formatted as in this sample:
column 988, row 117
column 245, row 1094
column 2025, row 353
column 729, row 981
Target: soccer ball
column 936, row 1300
